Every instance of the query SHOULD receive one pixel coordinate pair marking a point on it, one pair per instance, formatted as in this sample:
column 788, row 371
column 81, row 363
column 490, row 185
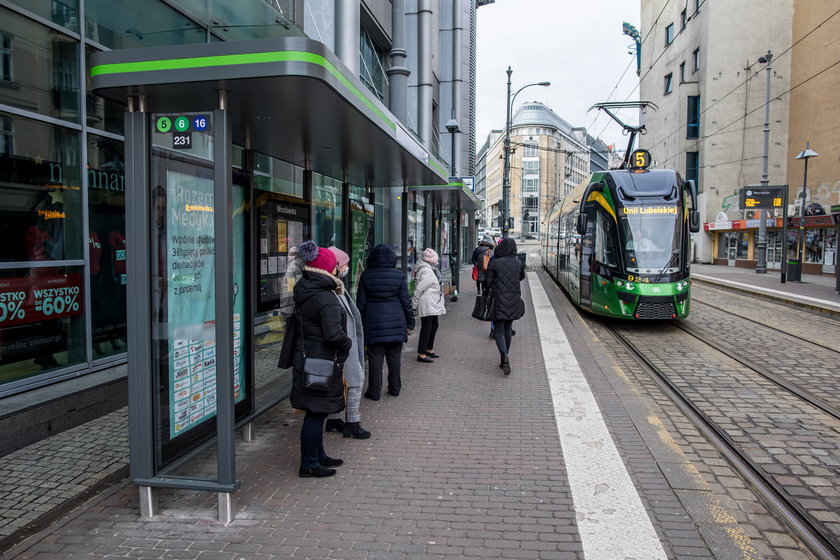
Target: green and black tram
column 619, row 243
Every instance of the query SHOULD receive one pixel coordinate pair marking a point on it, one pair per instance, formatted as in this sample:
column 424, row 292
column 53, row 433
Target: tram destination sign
column 755, row 198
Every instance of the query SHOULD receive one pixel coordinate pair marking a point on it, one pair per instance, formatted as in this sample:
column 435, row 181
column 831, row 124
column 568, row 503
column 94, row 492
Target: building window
column 6, row 137
column 531, row 166
column 683, row 19
column 5, row 57
column 371, row 68
column 693, row 117
column 692, row 167
column 682, row 72
column 669, row 34
column 697, row 4
column 695, row 60
column 530, row 150
column 669, row 83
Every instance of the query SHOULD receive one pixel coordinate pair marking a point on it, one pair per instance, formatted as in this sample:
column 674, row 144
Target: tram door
column 587, row 258
column 731, row 248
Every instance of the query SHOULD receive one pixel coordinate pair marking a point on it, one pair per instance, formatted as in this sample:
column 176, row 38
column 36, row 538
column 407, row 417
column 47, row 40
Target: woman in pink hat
column 428, row 301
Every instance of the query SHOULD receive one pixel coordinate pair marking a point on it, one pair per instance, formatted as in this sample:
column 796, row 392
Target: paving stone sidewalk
column 465, row 463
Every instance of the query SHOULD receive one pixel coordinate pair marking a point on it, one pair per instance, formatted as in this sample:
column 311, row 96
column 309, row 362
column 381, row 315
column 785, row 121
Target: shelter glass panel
column 40, row 193
column 327, row 202
column 42, row 68
column 244, row 19
column 277, row 176
column 107, row 244
column 121, row 24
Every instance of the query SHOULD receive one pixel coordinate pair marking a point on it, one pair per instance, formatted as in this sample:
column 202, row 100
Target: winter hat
column 430, row 256
column 342, row 257
column 317, row 257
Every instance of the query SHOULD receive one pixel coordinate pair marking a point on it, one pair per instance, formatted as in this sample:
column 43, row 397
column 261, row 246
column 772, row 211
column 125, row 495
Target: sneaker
column 355, row 430
column 334, row 425
column 317, row 472
column 330, row 462
column 506, row 365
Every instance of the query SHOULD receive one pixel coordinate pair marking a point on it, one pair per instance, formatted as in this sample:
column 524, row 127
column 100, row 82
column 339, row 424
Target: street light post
column 761, row 266
column 805, row 154
column 506, row 168
column 453, row 129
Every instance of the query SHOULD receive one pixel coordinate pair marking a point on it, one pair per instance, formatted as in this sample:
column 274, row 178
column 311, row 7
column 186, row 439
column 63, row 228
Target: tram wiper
column 674, row 254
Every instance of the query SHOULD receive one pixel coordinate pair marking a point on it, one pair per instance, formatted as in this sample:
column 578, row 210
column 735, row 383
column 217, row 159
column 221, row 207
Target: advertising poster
column 361, row 224
column 40, row 297
column 191, row 301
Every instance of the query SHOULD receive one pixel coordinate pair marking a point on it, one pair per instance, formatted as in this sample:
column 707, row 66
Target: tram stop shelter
column 191, row 240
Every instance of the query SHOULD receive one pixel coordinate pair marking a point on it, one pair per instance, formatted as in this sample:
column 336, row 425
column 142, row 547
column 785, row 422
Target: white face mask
column 342, row 272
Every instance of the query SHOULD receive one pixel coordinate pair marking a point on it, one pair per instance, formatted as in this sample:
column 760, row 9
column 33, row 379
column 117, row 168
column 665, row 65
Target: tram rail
column 819, row 540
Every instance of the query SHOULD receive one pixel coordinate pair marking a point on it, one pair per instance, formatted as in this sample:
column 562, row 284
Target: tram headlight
column 619, row 283
column 629, row 285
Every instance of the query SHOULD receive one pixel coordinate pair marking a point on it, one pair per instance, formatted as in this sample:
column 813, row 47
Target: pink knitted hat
column 342, row 257
column 430, row 256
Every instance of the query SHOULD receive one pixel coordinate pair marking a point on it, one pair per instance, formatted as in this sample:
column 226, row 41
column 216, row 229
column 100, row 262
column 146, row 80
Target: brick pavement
column 465, row 463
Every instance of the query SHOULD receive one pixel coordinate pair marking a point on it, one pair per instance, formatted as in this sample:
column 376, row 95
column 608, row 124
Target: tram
column 619, row 243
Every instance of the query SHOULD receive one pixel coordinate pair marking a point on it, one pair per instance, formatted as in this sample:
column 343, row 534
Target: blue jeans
column 312, row 440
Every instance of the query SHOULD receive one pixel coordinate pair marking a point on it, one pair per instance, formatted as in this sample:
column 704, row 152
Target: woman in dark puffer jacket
column 387, row 316
column 323, row 323
column 504, row 273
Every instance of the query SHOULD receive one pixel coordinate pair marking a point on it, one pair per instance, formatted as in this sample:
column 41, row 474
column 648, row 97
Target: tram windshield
column 651, row 242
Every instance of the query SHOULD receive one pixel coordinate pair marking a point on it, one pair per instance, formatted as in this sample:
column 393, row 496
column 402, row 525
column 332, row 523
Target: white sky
column 577, row 45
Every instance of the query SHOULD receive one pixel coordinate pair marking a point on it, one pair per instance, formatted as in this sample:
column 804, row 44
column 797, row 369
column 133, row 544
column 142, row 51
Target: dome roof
column 535, row 113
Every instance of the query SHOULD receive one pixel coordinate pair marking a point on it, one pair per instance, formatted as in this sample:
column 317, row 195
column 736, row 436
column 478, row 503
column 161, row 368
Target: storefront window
column 62, row 12
column 743, row 246
column 42, row 327
column 102, row 113
column 274, row 175
column 326, row 199
column 814, row 243
column 41, row 71
column 106, row 241
column 40, row 196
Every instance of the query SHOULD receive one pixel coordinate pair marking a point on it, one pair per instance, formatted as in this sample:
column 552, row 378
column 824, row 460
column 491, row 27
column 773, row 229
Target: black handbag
column 290, row 336
column 318, row 373
column 484, row 306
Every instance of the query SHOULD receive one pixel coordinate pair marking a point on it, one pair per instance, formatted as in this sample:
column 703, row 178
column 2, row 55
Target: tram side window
column 606, row 248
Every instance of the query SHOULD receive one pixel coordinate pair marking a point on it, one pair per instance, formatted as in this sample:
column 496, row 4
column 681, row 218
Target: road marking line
column 611, row 519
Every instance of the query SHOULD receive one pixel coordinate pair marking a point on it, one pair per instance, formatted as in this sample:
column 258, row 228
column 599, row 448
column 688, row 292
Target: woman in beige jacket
column 428, row 301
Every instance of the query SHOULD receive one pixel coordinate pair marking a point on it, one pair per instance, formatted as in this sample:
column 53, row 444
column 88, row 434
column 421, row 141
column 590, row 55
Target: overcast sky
column 577, row 45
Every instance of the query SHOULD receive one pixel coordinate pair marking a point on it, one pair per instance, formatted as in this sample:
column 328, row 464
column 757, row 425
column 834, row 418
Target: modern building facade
column 548, row 159
column 700, row 66
column 814, row 114
column 63, row 332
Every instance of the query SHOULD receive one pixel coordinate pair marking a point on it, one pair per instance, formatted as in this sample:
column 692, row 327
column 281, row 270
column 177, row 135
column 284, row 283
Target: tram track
column 835, row 350
column 819, row 540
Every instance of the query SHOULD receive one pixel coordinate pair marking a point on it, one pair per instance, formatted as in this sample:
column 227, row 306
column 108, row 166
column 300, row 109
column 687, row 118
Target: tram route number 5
column 640, row 160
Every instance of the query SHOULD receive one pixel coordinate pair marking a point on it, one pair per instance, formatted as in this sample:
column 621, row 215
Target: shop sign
column 711, row 226
column 814, row 221
column 40, row 297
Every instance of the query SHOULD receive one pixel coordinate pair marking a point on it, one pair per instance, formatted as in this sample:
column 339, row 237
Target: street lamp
column 453, row 129
column 506, row 173
column 761, row 265
column 805, row 154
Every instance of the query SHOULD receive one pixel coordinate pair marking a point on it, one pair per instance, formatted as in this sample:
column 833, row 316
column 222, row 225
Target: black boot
column 355, row 430
column 317, row 472
column 505, row 364
column 334, row 425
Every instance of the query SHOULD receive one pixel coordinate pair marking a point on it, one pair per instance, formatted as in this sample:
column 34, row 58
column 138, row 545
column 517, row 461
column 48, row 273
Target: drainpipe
column 457, row 79
column 347, row 26
column 424, row 81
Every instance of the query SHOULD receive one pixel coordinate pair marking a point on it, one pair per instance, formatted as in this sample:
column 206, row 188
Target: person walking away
column 387, row 317
column 428, row 301
column 323, row 334
column 354, row 367
column 481, row 259
column 503, row 276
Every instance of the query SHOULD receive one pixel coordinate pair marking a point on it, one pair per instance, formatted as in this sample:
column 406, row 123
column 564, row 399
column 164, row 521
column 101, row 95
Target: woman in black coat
column 504, row 273
column 323, row 334
column 387, row 316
